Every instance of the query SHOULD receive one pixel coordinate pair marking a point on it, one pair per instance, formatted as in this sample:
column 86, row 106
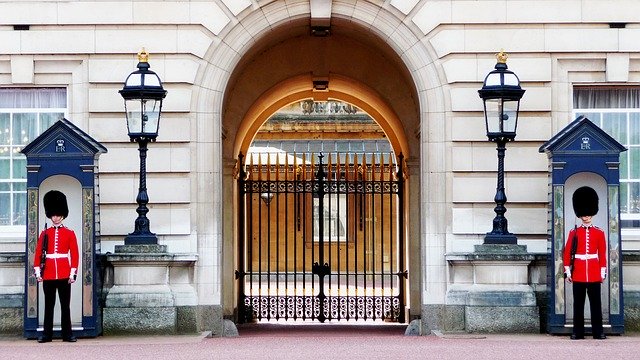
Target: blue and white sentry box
column 582, row 154
column 64, row 158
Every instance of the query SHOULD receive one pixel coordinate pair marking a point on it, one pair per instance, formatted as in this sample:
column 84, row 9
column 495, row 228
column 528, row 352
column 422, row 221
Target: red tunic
column 62, row 254
column 591, row 254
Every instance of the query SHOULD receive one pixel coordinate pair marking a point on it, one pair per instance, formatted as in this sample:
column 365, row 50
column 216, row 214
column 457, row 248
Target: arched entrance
column 321, row 222
column 351, row 65
column 339, row 88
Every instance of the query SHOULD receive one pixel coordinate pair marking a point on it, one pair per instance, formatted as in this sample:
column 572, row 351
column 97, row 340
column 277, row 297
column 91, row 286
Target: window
column 617, row 112
column 334, row 218
column 24, row 114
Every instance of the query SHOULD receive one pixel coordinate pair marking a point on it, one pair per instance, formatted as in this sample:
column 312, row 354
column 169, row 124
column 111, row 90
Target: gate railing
column 321, row 238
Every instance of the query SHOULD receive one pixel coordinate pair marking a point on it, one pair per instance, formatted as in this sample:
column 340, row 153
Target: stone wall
column 631, row 290
column 11, row 292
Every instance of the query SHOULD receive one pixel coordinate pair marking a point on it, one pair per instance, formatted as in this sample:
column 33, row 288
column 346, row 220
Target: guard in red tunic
column 589, row 263
column 60, row 265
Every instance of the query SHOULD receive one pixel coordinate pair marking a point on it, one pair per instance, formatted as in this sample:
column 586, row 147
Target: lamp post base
column 141, row 239
column 493, row 238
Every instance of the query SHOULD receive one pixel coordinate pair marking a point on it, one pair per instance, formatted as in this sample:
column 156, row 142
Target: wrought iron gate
column 321, row 237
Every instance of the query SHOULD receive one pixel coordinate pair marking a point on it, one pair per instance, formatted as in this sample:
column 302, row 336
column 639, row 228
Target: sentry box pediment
column 64, row 139
column 584, row 146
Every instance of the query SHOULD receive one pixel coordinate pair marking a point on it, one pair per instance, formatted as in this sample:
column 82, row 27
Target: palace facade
column 257, row 89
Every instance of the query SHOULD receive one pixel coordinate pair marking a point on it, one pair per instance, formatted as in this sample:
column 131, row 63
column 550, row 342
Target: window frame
column 12, row 231
column 336, row 207
column 624, row 216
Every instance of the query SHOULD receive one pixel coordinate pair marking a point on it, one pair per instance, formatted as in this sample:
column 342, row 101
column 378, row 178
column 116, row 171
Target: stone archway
column 339, row 88
column 360, row 70
column 399, row 67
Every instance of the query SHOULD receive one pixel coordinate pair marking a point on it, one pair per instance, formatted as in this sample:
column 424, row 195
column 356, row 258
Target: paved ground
column 326, row 341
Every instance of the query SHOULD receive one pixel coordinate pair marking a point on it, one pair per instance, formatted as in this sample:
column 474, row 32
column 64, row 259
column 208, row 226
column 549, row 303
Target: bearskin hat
column 585, row 202
column 55, row 203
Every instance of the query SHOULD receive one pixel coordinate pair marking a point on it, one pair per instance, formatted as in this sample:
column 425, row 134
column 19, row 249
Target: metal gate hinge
column 239, row 274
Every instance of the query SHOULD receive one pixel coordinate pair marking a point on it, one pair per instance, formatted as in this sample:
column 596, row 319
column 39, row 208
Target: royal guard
column 585, row 263
column 56, row 265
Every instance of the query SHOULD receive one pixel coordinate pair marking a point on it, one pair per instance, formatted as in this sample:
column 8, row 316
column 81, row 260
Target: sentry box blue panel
column 65, row 158
column 582, row 154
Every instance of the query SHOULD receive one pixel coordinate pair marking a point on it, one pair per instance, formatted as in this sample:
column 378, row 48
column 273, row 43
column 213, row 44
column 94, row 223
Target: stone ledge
column 12, row 257
column 15, row 300
column 186, row 259
column 508, row 295
column 494, row 252
column 630, row 256
column 141, row 249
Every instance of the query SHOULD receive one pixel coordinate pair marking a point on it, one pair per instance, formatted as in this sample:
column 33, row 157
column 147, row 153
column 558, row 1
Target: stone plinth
column 631, row 289
column 151, row 292
column 491, row 291
column 11, row 292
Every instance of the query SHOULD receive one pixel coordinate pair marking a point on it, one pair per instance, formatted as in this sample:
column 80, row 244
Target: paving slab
column 325, row 341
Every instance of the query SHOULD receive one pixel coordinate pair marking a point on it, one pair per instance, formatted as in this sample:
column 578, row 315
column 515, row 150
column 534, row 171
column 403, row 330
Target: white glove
column 603, row 273
column 567, row 272
column 36, row 271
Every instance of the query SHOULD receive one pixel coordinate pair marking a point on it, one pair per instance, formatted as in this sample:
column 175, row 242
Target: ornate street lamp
column 143, row 94
column 501, row 94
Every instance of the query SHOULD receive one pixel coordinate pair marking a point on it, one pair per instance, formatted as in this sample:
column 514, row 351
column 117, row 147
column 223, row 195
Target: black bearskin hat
column 585, row 202
column 55, row 203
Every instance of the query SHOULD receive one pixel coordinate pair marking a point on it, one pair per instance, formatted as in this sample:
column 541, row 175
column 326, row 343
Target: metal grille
column 321, row 237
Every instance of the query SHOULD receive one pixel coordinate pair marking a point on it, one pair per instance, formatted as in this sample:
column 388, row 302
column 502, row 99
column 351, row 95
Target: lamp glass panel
column 152, row 112
column 143, row 116
column 493, row 79
column 501, row 116
column 151, row 80
column 510, row 116
column 511, row 79
column 135, row 79
column 492, row 109
column 133, row 108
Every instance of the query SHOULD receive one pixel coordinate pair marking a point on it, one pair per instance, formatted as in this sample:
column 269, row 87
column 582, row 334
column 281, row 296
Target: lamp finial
column 143, row 55
column 502, row 57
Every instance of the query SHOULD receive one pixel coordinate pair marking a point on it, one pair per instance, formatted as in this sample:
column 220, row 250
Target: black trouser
column 64, row 292
column 592, row 289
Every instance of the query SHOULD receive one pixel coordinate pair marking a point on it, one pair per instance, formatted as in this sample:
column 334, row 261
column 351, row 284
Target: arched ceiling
column 363, row 68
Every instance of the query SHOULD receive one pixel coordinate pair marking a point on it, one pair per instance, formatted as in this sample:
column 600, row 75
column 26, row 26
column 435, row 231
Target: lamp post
column 143, row 94
column 501, row 94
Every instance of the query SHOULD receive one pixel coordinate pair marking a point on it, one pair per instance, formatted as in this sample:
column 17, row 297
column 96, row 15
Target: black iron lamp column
column 143, row 94
column 501, row 94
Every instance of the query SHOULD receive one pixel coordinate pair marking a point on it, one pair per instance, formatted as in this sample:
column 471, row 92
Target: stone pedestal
column 11, row 292
column 152, row 292
column 631, row 278
column 490, row 291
